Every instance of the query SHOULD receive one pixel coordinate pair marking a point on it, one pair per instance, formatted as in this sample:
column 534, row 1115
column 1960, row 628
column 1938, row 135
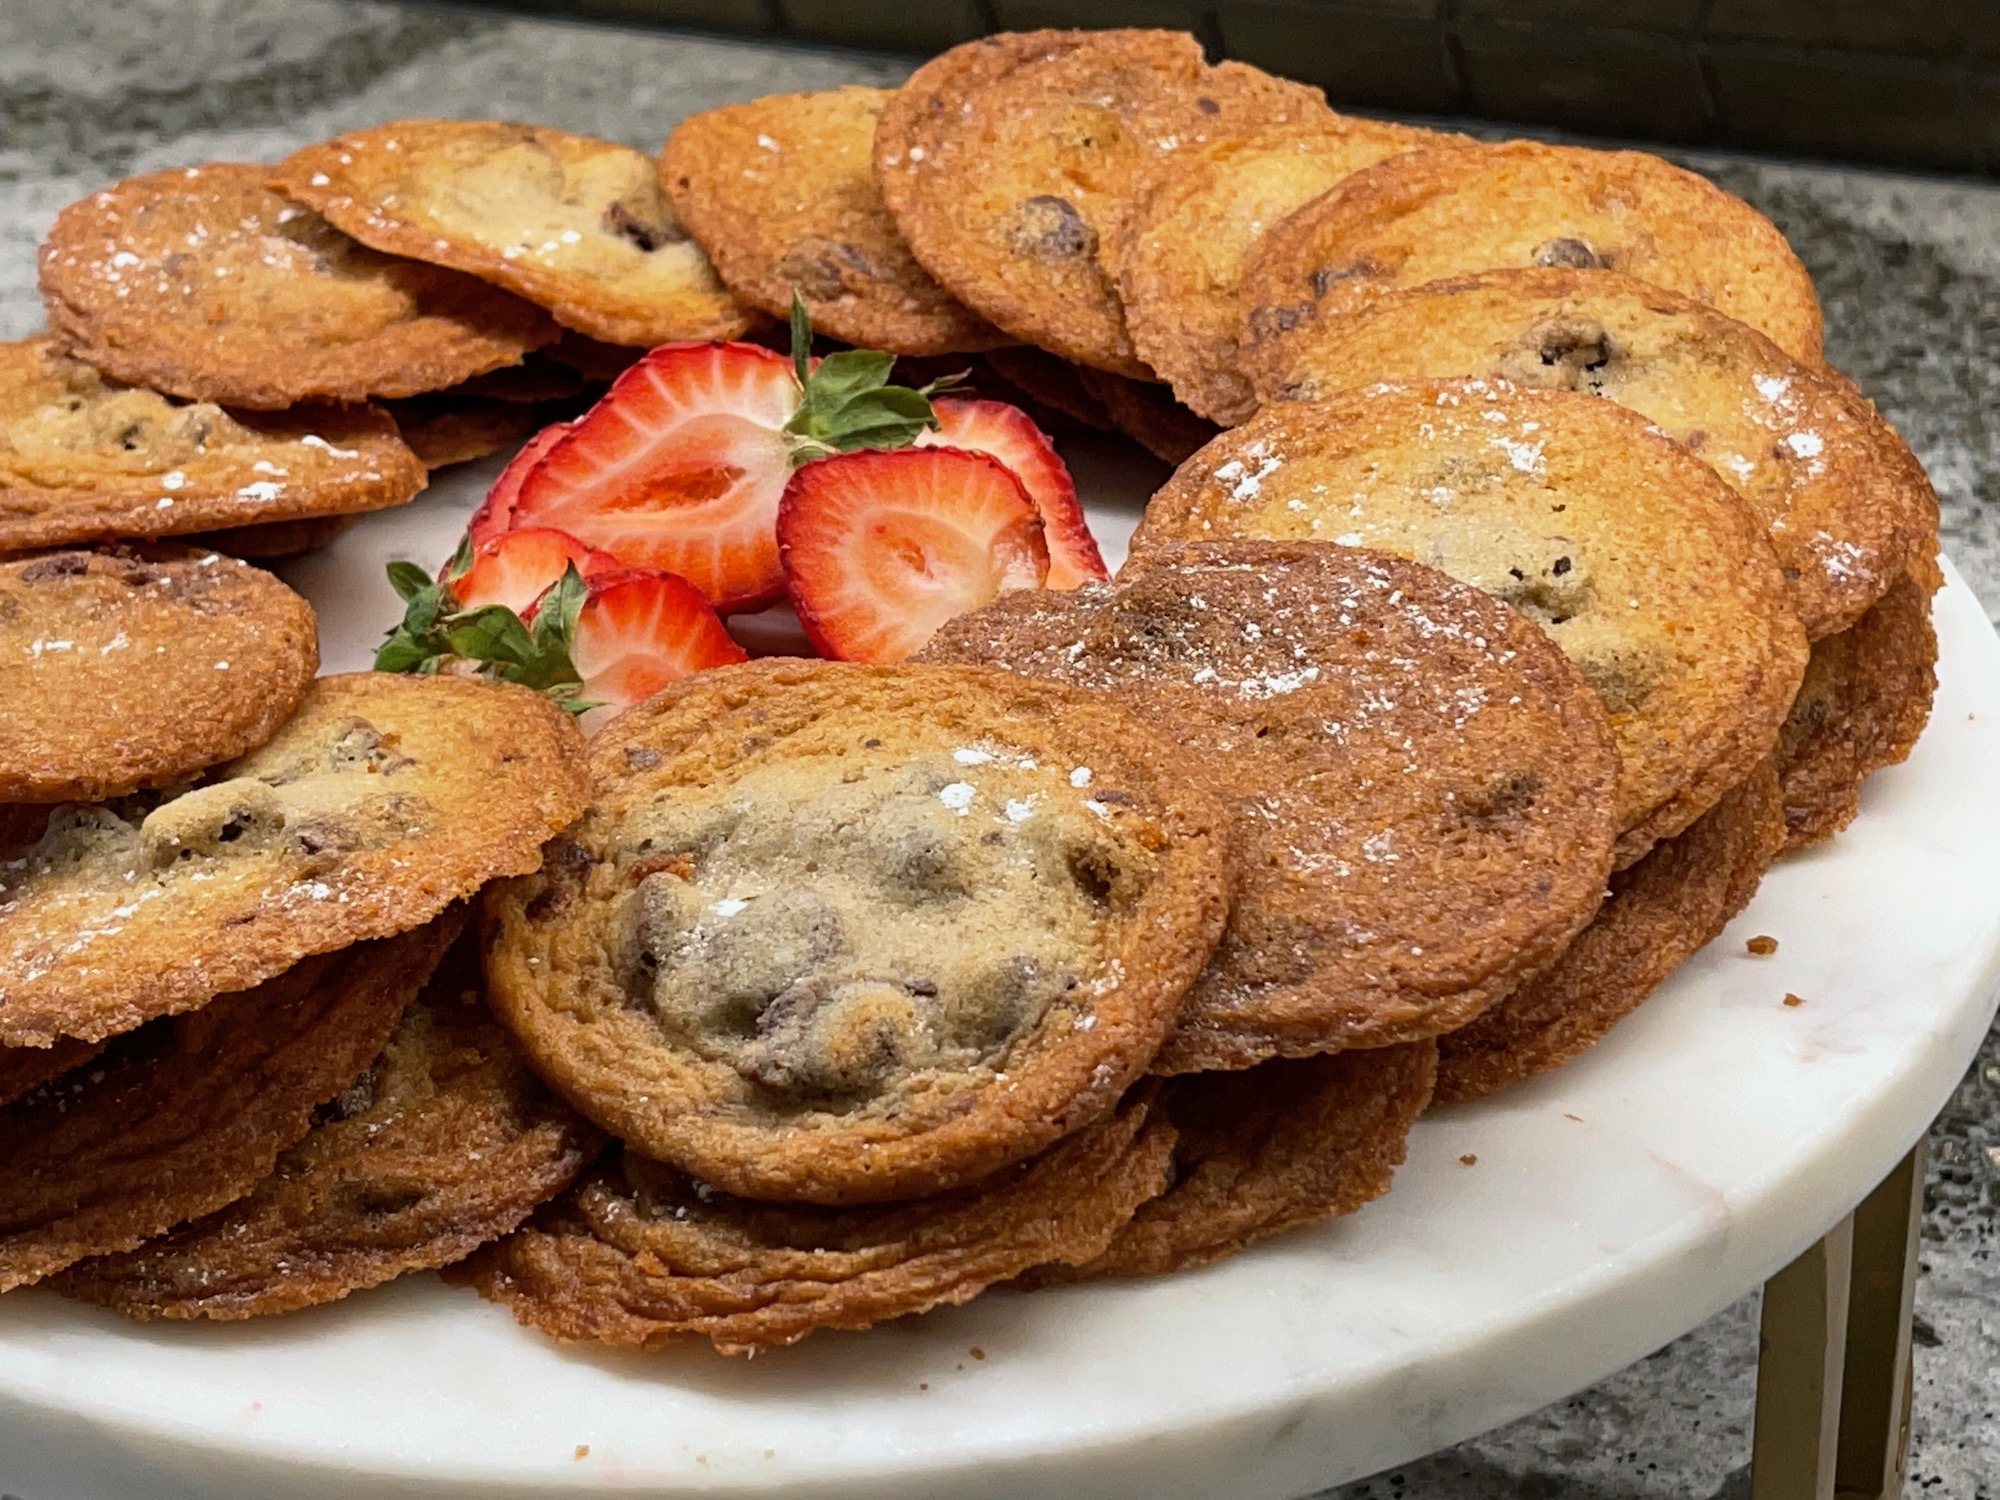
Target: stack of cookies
column 265, row 352
column 225, row 890
column 1527, row 586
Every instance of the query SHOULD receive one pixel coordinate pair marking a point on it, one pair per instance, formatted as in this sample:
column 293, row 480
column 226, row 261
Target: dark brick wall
column 1903, row 82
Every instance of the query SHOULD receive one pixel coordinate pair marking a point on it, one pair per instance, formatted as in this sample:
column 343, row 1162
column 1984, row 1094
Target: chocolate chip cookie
column 83, row 459
column 781, row 194
column 1445, row 212
column 205, row 284
column 843, row 934
column 1007, row 161
column 1654, row 576
column 639, row 1254
column 1420, row 783
column 1847, row 504
column 382, row 800
column 135, row 667
column 573, row 223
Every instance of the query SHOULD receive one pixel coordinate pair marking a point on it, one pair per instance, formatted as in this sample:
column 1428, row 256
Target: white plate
column 1613, row 1205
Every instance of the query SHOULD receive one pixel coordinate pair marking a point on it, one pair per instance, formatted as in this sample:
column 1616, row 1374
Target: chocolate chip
column 1569, row 251
column 822, row 269
column 623, row 221
column 62, row 565
column 1049, row 228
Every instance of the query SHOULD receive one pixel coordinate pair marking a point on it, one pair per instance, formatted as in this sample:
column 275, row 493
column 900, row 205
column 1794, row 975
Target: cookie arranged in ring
column 205, row 284
column 1420, row 784
column 85, row 460
column 446, row 429
column 136, row 667
column 1179, row 255
column 639, row 1255
column 843, row 934
column 1426, row 215
column 382, row 800
column 572, row 223
column 185, row 1116
column 1289, row 1142
column 1653, row 575
column 445, row 1142
column 780, row 192
column 1847, row 504
column 1659, row 912
column 1865, row 700
column 1006, row 161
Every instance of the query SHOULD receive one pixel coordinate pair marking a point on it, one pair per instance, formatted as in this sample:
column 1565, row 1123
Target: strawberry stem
column 846, row 401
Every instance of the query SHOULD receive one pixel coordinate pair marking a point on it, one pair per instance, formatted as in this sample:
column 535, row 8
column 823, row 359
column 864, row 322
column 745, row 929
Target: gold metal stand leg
column 1833, row 1362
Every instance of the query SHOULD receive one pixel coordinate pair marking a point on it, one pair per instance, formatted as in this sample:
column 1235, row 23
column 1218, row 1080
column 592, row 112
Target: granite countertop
column 1908, row 269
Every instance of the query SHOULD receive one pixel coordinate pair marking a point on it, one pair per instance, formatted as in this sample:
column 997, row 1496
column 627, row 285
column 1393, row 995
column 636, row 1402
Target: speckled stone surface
column 1909, row 271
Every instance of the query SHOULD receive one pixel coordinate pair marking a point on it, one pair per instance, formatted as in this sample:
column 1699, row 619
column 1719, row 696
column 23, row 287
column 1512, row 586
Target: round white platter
column 1612, row 1206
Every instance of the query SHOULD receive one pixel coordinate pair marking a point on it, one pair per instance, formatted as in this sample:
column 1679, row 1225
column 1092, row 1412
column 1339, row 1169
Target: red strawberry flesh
column 636, row 633
column 1011, row 436
column 517, row 567
column 882, row 547
column 679, row 467
column 495, row 515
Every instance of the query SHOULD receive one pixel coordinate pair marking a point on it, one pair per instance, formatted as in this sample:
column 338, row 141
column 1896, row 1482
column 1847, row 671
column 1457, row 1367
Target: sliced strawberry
column 679, row 467
column 516, row 568
column 882, row 547
column 496, row 512
column 1009, row 435
column 636, row 633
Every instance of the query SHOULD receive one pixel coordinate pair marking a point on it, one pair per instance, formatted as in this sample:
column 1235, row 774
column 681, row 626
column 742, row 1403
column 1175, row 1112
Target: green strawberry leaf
column 846, row 401
column 438, row 634
column 408, row 580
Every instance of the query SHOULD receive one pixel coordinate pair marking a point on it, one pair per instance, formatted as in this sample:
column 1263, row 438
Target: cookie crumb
column 582, row 1452
column 1467, row 1160
column 1762, row 946
column 976, row 1352
column 1794, row 1000
column 1568, row 1116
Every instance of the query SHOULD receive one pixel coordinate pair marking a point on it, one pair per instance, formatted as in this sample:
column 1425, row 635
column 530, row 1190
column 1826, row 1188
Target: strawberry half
column 496, row 512
column 882, row 547
column 516, row 568
column 680, row 468
column 636, row 633
column 1011, row 436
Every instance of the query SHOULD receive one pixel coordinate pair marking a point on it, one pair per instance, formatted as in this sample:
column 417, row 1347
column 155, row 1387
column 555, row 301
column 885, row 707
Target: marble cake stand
column 1534, row 1243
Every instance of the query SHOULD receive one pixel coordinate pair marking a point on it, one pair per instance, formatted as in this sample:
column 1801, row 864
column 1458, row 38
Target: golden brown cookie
column 273, row 540
column 843, row 933
column 86, row 460
column 781, row 194
column 1420, row 783
column 1006, row 161
column 644, row 1255
column 575, row 224
column 446, row 1142
column 1055, row 383
column 186, row 1115
column 204, row 283
column 1425, row 215
column 380, row 802
column 1657, row 914
column 1179, row 255
column 1286, row 1143
column 1652, row 574
column 1147, row 413
column 134, row 667
column 447, row 429
column 1847, row 504
column 1865, row 700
